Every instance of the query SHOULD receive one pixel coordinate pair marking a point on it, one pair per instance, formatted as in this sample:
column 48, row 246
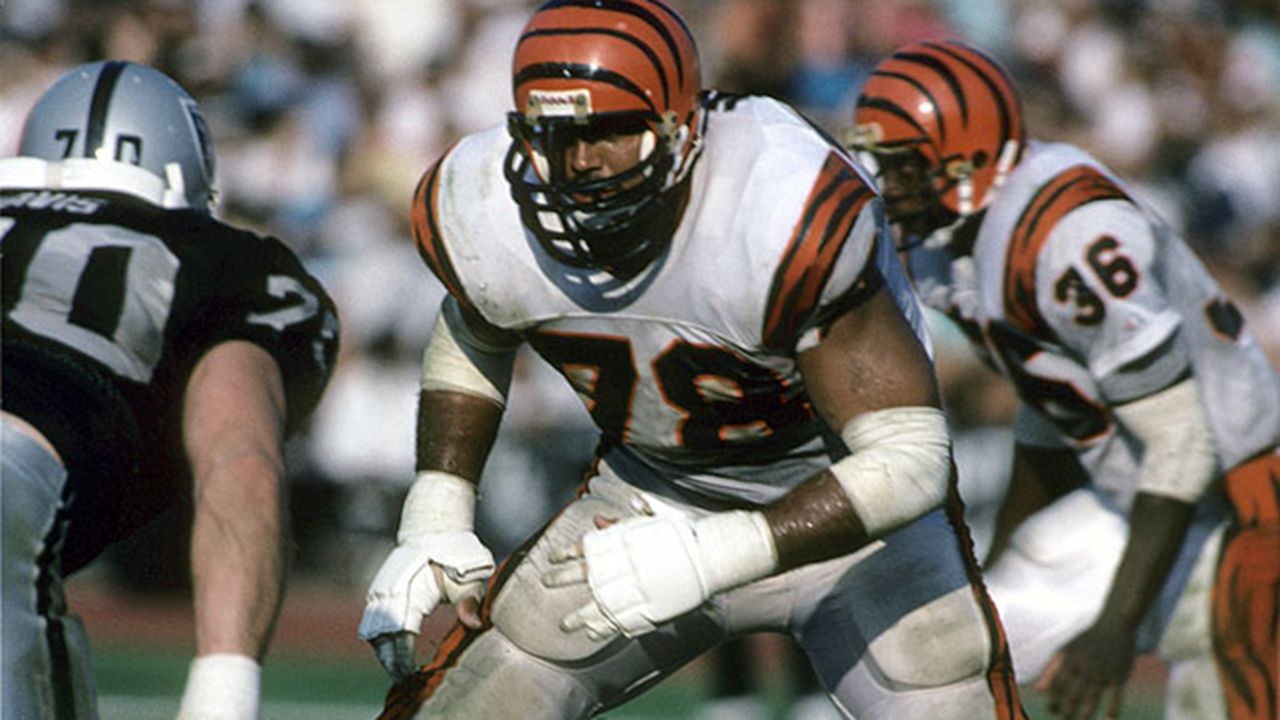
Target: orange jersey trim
column 1067, row 191
column 837, row 197
column 423, row 217
column 1000, row 676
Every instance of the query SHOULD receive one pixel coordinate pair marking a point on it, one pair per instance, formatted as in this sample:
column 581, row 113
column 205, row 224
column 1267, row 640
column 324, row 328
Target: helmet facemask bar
column 958, row 107
column 930, row 180
column 608, row 222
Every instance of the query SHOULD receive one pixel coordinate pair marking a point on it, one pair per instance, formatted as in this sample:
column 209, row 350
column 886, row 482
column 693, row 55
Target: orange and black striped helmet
column 583, row 63
column 955, row 105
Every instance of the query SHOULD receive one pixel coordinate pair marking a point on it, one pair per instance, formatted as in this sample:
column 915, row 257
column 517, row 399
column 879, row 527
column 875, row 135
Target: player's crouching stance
column 1138, row 379
column 152, row 355
column 711, row 276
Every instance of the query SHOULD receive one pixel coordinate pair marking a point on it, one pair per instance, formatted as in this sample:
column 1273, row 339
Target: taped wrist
column 899, row 467
column 221, row 686
column 1179, row 456
column 736, row 548
column 438, row 502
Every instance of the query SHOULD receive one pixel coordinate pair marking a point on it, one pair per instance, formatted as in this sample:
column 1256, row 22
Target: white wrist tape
column 899, row 467
column 438, row 502
column 446, row 366
column 1179, row 457
column 736, row 548
column 222, row 686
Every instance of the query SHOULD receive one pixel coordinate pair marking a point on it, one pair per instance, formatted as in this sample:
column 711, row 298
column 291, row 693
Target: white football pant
column 46, row 673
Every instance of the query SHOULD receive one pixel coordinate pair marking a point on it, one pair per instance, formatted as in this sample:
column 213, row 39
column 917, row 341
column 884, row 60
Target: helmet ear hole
column 958, row 168
column 980, row 159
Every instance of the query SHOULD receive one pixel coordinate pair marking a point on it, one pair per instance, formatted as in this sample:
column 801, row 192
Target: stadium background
column 325, row 112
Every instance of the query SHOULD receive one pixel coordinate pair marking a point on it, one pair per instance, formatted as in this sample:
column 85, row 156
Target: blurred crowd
column 325, row 113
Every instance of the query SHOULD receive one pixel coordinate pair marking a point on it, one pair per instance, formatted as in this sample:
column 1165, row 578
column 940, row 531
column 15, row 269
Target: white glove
column 221, row 686
column 646, row 570
column 438, row 557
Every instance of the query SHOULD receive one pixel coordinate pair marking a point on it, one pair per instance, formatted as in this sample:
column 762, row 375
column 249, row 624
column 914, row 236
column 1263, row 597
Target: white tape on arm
column 221, row 686
column 437, row 502
column 435, row 529
column 736, row 547
column 446, row 366
column 1179, row 457
column 899, row 467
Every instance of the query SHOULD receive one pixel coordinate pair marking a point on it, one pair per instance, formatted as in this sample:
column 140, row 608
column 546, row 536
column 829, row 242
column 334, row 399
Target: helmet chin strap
column 175, row 193
column 1008, row 158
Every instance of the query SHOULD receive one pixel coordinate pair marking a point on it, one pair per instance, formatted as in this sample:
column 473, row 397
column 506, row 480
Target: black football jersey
column 109, row 302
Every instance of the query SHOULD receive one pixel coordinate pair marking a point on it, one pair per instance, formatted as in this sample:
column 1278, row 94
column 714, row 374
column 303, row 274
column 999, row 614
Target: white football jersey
column 1085, row 299
column 688, row 369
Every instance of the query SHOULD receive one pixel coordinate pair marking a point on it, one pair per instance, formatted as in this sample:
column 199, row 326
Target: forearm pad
column 1179, row 456
column 457, row 362
column 899, row 467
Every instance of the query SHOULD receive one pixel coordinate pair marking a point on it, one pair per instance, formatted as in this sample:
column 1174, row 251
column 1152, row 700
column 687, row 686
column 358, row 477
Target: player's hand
column 1090, row 672
column 420, row 572
column 647, row 570
column 642, row 571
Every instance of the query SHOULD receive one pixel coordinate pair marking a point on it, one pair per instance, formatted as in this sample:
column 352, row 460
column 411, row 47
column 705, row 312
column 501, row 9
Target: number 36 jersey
column 1086, row 300
column 689, row 368
column 109, row 302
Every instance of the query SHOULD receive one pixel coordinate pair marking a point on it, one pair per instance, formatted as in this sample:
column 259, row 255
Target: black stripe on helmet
column 631, row 8
column 897, row 110
column 947, row 75
column 579, row 71
column 632, row 39
column 103, row 89
column 1006, row 114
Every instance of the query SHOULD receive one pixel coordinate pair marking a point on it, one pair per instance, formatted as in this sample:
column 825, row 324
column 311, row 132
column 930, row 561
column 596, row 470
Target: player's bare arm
column 233, row 421
column 466, row 370
column 869, row 360
column 870, row 377
column 1178, row 466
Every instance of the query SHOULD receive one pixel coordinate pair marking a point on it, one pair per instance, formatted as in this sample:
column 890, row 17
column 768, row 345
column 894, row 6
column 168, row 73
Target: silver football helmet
column 106, row 120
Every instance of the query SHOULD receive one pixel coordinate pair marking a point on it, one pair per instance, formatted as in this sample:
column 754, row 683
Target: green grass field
column 143, row 684
column 318, row 668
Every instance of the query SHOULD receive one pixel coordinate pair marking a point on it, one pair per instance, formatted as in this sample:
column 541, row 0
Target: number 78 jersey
column 1086, row 300
column 691, row 364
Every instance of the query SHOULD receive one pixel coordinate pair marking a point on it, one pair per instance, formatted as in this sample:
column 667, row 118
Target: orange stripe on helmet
column 632, row 55
column 837, row 197
column 953, row 102
column 423, row 218
column 1067, row 191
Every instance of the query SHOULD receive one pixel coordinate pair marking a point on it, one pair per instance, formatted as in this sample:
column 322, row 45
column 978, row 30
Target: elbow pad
column 454, row 362
column 899, row 467
column 1179, row 457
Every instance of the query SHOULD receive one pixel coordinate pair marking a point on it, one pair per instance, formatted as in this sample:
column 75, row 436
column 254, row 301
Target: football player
column 152, row 355
column 711, row 275
column 1138, row 380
